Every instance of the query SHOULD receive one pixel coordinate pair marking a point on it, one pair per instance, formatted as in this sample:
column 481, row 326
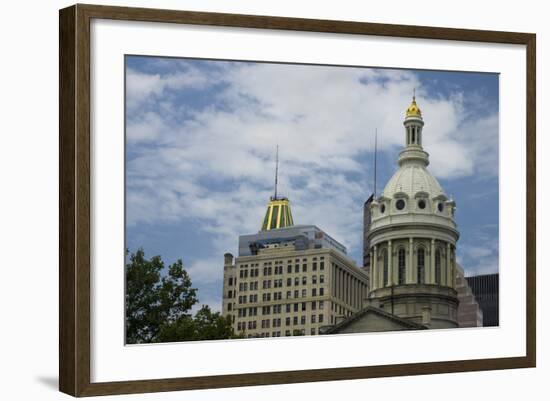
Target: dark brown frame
column 74, row 199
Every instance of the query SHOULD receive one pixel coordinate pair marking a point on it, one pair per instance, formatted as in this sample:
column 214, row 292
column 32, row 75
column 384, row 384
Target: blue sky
column 201, row 138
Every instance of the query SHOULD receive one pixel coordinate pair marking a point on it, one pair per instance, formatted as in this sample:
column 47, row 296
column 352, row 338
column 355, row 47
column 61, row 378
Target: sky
column 201, row 137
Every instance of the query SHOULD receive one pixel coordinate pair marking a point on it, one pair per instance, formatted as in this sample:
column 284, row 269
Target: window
column 314, row 266
column 321, row 304
column 400, row 204
column 296, row 268
column 295, row 320
column 382, row 208
column 230, row 281
column 438, row 266
column 296, row 294
column 289, row 282
column 321, row 318
column 422, row 204
column 313, row 318
column 304, row 293
column 321, row 291
column 302, row 320
column 304, row 267
column 321, row 279
column 287, row 321
column 314, row 279
column 288, row 294
column 289, row 269
column 296, row 280
column 304, row 280
column 440, row 206
column 313, row 305
column 314, row 292
column 385, row 266
column 401, row 266
column 303, row 306
column 313, row 331
column 420, row 266
column 295, row 307
column 287, row 308
column 322, row 265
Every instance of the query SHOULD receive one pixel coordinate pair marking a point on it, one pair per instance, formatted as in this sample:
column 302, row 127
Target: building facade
column 290, row 280
column 485, row 289
column 412, row 239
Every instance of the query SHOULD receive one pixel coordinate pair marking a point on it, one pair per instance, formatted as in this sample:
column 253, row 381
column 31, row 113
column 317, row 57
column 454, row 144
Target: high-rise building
column 412, row 238
column 485, row 289
column 289, row 280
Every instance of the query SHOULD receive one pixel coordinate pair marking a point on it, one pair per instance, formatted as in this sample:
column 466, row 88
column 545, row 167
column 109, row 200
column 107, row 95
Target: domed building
column 412, row 238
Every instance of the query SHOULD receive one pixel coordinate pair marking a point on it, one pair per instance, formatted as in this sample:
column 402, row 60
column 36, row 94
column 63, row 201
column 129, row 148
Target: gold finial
column 414, row 110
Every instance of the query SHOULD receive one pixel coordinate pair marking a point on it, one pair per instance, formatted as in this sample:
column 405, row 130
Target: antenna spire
column 375, row 151
column 276, row 171
column 414, row 93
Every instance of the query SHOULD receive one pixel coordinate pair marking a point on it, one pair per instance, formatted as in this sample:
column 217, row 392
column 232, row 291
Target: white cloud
column 216, row 166
column 480, row 253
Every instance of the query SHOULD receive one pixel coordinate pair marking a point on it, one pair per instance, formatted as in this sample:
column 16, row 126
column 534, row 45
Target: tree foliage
column 159, row 302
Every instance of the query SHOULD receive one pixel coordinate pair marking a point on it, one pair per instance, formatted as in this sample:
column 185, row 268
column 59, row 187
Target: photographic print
column 275, row 200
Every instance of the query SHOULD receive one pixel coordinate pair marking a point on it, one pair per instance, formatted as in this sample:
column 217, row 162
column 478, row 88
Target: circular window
column 400, row 204
column 440, row 206
column 382, row 208
column 422, row 204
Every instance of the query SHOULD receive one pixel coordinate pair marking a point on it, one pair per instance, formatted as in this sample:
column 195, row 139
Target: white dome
column 411, row 179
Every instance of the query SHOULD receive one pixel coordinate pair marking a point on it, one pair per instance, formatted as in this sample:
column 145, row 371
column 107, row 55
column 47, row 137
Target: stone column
column 375, row 267
column 333, row 280
column 409, row 268
column 391, row 279
column 449, row 267
column 341, row 283
column 336, row 289
column 432, row 263
column 453, row 267
column 349, row 288
column 371, row 271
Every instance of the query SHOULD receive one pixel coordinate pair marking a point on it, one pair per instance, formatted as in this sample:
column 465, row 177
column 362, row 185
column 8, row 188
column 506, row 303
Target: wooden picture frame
column 74, row 199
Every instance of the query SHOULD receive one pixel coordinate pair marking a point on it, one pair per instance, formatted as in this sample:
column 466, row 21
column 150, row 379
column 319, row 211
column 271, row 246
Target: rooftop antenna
column 375, row 151
column 276, row 170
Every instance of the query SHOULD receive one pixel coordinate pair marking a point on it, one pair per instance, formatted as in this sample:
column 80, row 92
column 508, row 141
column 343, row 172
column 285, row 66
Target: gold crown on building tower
column 278, row 213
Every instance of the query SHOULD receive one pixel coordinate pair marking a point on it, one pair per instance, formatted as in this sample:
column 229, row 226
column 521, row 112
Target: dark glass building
column 485, row 289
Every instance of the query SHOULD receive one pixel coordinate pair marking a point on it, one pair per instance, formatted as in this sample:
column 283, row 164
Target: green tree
column 206, row 325
column 158, row 305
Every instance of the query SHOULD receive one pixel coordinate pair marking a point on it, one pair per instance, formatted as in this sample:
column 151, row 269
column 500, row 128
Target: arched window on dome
column 401, row 266
column 438, row 266
column 420, row 259
column 385, row 267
